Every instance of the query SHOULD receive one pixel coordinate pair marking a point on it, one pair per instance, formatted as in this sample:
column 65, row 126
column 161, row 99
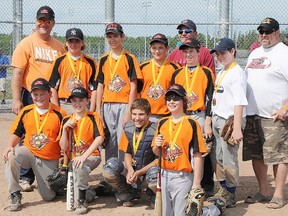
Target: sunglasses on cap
column 47, row 22
column 267, row 32
column 187, row 31
column 173, row 97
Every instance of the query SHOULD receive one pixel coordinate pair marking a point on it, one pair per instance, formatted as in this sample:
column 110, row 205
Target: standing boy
column 157, row 74
column 40, row 122
column 117, row 73
column 139, row 161
column 88, row 136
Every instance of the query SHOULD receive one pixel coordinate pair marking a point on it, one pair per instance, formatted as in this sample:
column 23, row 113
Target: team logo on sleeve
column 116, row 84
column 170, row 154
column 155, row 92
column 74, row 83
column 192, row 98
column 39, row 141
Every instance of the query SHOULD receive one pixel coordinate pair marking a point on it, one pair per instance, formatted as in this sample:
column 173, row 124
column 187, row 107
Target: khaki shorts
column 266, row 140
column 2, row 84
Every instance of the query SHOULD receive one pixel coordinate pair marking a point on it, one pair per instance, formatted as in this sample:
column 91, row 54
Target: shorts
column 265, row 140
column 2, row 84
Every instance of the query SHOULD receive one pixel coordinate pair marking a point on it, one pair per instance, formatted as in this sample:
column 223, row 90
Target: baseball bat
column 70, row 181
column 158, row 203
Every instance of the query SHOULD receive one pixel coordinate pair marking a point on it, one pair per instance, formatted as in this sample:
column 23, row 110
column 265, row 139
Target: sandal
column 276, row 203
column 257, row 198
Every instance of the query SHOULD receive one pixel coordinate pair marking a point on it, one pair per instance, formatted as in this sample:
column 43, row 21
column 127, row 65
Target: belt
column 193, row 112
column 64, row 100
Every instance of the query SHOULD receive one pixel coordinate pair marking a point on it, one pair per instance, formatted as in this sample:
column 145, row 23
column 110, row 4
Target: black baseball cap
column 115, row 28
column 176, row 88
column 74, row 33
column 40, row 83
column 269, row 23
column 190, row 42
column 45, row 12
column 187, row 23
column 79, row 92
column 159, row 38
column 223, row 45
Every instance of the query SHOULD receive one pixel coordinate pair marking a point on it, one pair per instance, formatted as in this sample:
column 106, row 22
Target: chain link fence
column 140, row 20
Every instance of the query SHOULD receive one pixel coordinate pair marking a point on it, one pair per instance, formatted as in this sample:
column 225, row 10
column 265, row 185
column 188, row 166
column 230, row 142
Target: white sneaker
column 26, row 187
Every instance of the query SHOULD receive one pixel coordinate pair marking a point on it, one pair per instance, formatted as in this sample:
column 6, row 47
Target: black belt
column 193, row 112
column 64, row 100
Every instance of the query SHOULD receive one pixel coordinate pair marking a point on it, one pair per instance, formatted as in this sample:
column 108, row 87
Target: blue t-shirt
column 3, row 61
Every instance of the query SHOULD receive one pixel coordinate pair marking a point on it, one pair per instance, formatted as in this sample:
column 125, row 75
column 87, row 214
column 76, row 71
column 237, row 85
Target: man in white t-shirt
column 266, row 134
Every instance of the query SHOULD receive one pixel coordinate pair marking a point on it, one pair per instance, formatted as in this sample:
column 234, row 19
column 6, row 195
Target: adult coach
column 187, row 29
column 266, row 134
column 33, row 57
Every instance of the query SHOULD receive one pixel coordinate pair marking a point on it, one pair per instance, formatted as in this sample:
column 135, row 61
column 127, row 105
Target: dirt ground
column 33, row 205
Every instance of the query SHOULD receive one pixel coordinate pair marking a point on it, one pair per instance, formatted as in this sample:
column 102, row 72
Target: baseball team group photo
column 190, row 131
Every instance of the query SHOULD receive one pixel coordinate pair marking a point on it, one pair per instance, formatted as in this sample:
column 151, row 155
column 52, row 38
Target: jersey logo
column 155, row 92
column 170, row 154
column 39, row 141
column 116, row 84
column 45, row 55
column 192, row 99
column 260, row 63
column 73, row 83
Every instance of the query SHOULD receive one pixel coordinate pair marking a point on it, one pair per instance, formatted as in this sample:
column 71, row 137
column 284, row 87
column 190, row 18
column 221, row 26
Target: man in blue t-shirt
column 4, row 63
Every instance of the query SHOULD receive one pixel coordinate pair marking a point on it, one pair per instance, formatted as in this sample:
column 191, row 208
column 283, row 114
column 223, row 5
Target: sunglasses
column 187, row 31
column 267, row 32
column 173, row 97
column 47, row 22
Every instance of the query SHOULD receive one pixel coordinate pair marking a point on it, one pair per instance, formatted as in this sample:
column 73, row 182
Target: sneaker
column 229, row 197
column 3, row 102
column 26, row 187
column 82, row 207
column 220, row 203
column 231, row 201
column 128, row 204
column 15, row 201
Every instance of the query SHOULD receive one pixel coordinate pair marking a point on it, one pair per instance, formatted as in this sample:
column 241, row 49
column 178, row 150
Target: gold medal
column 134, row 162
column 214, row 102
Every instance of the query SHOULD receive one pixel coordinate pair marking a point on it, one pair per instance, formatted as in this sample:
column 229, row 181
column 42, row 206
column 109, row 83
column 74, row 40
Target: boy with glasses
column 32, row 59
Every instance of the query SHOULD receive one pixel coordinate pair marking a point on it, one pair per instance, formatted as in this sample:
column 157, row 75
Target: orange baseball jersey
column 62, row 78
column 155, row 94
column 189, row 141
column 35, row 56
column 44, row 144
column 117, row 88
column 201, row 95
column 92, row 128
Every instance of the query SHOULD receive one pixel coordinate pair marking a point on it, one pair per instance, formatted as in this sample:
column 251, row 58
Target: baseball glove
column 208, row 144
column 227, row 130
column 58, row 179
column 194, row 202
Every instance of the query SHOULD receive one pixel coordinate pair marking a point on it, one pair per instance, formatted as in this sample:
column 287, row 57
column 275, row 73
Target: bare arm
column 13, row 141
column 54, row 97
column 132, row 97
column 237, row 131
column 198, row 168
column 93, row 101
column 16, row 84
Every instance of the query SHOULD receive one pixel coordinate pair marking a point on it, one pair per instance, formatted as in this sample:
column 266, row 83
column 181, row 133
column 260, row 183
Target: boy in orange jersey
column 179, row 137
column 198, row 81
column 117, row 76
column 88, row 136
column 40, row 122
column 157, row 74
column 71, row 70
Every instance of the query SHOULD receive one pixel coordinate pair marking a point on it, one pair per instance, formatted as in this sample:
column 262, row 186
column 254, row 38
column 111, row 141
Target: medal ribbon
column 173, row 141
column 136, row 143
column 222, row 76
column 156, row 80
column 77, row 138
column 72, row 65
column 39, row 128
column 112, row 74
column 190, row 87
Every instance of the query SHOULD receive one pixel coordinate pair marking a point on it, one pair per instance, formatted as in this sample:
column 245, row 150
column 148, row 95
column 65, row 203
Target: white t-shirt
column 267, row 80
column 231, row 92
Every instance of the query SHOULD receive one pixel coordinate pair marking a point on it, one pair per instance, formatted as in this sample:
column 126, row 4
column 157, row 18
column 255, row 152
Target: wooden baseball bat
column 158, row 202
column 70, row 181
